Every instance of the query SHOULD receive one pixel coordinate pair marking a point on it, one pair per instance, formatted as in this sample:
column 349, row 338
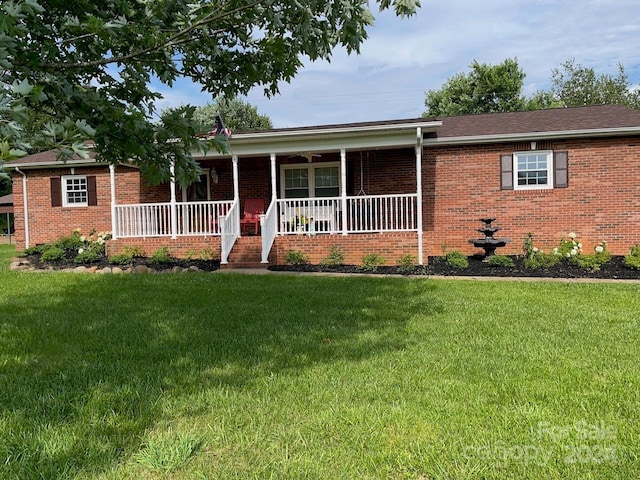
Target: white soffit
column 326, row 139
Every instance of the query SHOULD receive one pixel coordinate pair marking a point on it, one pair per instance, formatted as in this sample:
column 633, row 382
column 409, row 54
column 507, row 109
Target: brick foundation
column 181, row 247
column 391, row 246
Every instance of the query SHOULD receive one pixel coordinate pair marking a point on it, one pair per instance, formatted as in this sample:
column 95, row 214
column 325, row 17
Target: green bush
column 161, row 255
column 89, row 255
column 457, row 260
column 70, row 244
column 335, row 257
column 296, row 257
column 52, row 253
column 633, row 259
column 372, row 261
column 499, row 261
column 592, row 262
column 126, row 256
column 37, row 249
column 541, row 260
column 407, row 264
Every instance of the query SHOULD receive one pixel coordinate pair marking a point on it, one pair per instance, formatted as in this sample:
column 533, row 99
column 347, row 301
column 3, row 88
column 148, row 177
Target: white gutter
column 26, row 208
column 527, row 136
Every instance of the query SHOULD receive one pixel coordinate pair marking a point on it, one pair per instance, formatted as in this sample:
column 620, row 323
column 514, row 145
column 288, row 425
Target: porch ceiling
column 327, row 139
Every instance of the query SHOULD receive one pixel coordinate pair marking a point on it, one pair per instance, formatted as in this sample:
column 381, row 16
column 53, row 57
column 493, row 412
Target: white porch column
column 174, row 205
column 112, row 183
column 343, row 188
column 236, row 188
column 274, row 187
column 419, row 192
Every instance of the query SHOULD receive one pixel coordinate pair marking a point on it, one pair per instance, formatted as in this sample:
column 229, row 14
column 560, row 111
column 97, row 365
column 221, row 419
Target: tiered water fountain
column 488, row 243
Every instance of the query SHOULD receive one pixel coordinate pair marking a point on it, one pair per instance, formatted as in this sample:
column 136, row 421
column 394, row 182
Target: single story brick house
column 415, row 186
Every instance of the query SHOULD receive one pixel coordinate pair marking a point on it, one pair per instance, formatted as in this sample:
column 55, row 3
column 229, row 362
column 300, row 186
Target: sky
column 404, row 58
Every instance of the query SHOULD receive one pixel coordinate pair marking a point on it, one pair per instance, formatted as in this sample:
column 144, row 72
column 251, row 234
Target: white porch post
column 343, row 188
column 419, row 192
column 174, row 205
column 112, row 183
column 236, row 186
column 274, row 191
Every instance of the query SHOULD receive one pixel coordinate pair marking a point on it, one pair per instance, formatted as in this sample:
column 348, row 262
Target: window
column 534, row 170
column 73, row 191
column 313, row 180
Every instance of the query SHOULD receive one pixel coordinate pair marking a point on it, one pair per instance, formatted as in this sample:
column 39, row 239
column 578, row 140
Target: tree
column 574, row 85
column 88, row 65
column 484, row 89
column 237, row 115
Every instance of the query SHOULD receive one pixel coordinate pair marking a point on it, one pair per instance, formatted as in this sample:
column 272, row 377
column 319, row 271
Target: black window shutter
column 506, row 172
column 561, row 169
column 56, row 192
column 91, row 191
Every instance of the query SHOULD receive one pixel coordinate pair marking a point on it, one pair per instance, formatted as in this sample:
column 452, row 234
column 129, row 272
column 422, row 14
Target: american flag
column 220, row 129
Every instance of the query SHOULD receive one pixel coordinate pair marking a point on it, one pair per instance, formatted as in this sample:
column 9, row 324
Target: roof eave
column 526, row 136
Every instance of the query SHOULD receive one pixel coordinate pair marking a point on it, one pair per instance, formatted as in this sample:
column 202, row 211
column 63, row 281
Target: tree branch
column 178, row 38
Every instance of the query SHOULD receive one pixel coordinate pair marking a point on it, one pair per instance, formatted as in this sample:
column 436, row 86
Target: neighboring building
column 414, row 186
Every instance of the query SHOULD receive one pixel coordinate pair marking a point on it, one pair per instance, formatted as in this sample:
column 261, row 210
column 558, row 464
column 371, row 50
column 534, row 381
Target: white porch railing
column 154, row 219
column 382, row 213
column 368, row 213
column 269, row 229
column 230, row 231
column 309, row 215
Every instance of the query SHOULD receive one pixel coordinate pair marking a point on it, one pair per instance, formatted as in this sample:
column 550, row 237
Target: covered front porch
column 319, row 192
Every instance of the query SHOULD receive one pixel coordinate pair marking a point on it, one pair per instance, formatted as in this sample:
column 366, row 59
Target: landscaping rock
column 80, row 269
column 140, row 269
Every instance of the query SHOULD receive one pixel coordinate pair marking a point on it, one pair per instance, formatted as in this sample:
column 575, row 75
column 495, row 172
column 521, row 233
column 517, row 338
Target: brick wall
column 391, row 246
column 47, row 223
column 180, row 247
column 462, row 184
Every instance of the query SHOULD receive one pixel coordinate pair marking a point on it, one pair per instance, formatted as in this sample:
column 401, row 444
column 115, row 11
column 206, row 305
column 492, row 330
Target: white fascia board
column 609, row 132
column 54, row 164
column 324, row 140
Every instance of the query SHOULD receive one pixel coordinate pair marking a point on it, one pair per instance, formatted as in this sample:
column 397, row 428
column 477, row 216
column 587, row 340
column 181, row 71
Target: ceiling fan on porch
column 308, row 155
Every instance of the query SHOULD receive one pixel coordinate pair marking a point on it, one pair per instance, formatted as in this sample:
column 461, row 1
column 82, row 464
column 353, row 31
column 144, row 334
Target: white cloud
column 403, row 59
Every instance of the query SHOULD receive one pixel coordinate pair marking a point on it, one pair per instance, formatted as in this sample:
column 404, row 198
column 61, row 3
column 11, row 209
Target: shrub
column 541, row 260
column 457, row 260
column 88, row 256
column 161, row 255
column 499, row 261
column 37, row 249
column 407, row 264
column 296, row 257
column 633, row 259
column 335, row 257
column 126, row 256
column 372, row 261
column 594, row 261
column 71, row 243
column 52, row 253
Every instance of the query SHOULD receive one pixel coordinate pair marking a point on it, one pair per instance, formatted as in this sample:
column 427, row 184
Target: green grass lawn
column 238, row 376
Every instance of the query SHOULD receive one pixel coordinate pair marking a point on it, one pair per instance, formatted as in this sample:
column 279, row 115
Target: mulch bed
column 615, row 269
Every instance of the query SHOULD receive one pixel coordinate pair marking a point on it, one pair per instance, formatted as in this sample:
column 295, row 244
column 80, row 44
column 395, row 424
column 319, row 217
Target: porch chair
column 253, row 208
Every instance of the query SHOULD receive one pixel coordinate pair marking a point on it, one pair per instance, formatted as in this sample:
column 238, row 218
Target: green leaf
column 23, row 87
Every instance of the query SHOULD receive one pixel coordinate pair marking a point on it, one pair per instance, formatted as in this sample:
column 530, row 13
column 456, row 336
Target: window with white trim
column 75, row 192
column 533, row 170
column 310, row 180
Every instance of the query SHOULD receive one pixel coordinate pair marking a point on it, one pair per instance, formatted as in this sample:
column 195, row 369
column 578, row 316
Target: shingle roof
column 48, row 157
column 600, row 117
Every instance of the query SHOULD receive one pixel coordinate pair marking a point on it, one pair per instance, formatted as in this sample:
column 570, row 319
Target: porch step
column 246, row 253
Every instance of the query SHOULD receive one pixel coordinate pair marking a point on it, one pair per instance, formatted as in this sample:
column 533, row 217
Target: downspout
column 419, row 192
column 26, row 208
column 112, row 185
